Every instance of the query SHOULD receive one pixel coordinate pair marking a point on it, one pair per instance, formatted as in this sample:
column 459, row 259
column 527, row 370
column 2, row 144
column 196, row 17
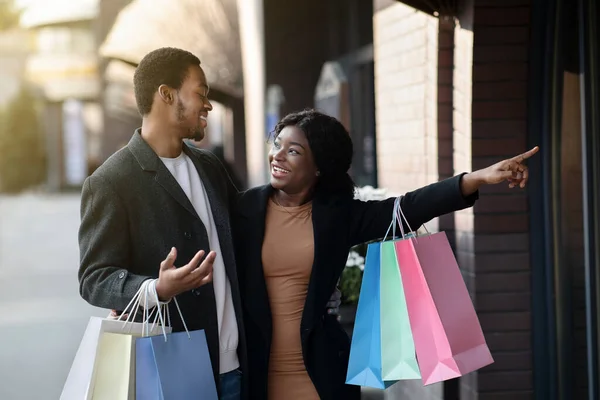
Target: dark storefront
column 564, row 203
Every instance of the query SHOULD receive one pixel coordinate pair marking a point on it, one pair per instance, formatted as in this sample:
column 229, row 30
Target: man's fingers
column 201, row 276
column 192, row 265
column 170, row 260
column 207, row 279
column 206, row 265
column 526, row 155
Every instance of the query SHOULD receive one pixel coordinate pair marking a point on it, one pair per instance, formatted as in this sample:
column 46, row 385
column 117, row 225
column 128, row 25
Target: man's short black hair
column 168, row 66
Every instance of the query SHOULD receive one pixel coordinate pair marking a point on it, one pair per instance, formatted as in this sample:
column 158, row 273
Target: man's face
column 191, row 105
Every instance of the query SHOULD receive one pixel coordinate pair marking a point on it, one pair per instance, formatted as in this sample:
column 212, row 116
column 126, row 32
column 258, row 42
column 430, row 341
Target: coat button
column 122, row 275
column 196, row 292
column 187, row 235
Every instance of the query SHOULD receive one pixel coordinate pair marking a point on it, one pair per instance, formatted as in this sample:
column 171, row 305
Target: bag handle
column 132, row 309
column 392, row 226
column 397, row 217
column 152, row 288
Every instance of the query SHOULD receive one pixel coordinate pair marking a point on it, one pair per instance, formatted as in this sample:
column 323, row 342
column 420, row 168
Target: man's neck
column 164, row 142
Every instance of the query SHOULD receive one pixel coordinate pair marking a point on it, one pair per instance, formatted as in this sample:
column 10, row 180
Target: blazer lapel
column 150, row 162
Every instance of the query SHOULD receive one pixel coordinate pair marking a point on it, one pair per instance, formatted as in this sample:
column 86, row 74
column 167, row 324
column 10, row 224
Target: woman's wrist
column 471, row 182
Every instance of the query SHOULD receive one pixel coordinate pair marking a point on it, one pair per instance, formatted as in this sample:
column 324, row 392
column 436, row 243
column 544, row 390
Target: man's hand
column 173, row 281
column 512, row 170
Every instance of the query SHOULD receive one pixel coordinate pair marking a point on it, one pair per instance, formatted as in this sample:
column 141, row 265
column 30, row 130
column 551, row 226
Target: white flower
column 366, row 193
column 355, row 260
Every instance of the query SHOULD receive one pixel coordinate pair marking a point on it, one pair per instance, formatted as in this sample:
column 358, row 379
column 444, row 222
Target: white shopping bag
column 82, row 376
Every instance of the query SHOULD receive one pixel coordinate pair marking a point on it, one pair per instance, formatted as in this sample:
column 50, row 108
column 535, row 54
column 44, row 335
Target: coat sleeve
column 104, row 243
column 371, row 219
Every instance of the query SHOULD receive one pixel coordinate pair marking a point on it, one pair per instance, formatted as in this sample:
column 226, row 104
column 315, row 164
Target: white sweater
column 184, row 171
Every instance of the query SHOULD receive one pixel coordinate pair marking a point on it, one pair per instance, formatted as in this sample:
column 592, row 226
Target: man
column 157, row 204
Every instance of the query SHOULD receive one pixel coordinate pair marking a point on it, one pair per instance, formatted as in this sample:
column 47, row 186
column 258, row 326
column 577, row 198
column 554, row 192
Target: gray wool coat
column 132, row 212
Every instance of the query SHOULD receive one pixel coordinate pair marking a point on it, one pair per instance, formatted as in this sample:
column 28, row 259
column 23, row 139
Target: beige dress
column 287, row 256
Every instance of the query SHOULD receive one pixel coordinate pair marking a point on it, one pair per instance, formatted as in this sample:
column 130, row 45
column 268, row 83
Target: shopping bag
column 80, row 376
column 177, row 367
column 184, row 367
column 398, row 357
column 81, row 380
column 115, row 368
column 146, row 374
column 382, row 350
column 364, row 365
column 174, row 366
column 448, row 337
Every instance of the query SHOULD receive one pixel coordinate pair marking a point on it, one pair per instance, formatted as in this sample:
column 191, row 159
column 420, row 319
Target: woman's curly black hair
column 331, row 147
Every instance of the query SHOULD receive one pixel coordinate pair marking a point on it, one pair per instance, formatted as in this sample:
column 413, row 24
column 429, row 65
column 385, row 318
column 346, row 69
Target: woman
column 292, row 239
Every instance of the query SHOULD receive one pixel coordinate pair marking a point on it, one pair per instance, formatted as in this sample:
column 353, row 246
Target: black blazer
column 132, row 212
column 338, row 225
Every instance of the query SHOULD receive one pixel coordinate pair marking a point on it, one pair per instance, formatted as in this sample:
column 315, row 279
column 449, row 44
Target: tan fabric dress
column 287, row 256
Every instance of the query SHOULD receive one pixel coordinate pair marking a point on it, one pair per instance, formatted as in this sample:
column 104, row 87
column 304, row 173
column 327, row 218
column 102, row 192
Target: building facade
column 63, row 67
column 429, row 89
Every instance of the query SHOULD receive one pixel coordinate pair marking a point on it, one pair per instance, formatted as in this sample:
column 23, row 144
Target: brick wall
column 462, row 157
column 405, row 44
column 493, row 241
column 405, row 52
column 445, row 107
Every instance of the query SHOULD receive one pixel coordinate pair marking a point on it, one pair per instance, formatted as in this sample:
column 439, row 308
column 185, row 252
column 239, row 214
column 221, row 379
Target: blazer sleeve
column 371, row 219
column 104, row 280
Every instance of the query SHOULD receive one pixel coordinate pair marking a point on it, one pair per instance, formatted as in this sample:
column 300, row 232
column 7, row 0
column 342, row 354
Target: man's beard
column 196, row 134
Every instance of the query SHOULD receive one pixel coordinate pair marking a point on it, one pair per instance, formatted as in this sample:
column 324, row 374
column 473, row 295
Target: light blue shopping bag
column 174, row 366
column 147, row 382
column 183, row 367
column 364, row 366
column 382, row 350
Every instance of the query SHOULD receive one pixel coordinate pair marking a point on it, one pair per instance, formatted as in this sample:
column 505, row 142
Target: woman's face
column 293, row 168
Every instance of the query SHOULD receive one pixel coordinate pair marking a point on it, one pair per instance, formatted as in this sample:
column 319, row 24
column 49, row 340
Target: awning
column 207, row 28
column 40, row 13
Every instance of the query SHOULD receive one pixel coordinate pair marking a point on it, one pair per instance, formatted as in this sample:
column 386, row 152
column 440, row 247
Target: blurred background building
column 426, row 88
column 63, row 68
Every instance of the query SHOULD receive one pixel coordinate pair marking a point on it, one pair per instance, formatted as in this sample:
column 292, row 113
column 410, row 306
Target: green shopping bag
column 398, row 356
column 382, row 350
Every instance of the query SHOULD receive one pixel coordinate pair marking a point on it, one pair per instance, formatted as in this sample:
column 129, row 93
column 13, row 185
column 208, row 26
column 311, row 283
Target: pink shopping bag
column 448, row 338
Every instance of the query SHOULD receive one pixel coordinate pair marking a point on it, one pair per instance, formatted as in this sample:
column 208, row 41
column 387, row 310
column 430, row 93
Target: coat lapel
column 220, row 212
column 150, row 162
column 321, row 284
column 253, row 216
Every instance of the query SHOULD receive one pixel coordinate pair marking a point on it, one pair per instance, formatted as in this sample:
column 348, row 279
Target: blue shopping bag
column 174, row 366
column 147, row 382
column 184, row 367
column 364, row 366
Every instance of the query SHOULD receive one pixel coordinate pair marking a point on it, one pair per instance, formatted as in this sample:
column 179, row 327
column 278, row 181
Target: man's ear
column 165, row 93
